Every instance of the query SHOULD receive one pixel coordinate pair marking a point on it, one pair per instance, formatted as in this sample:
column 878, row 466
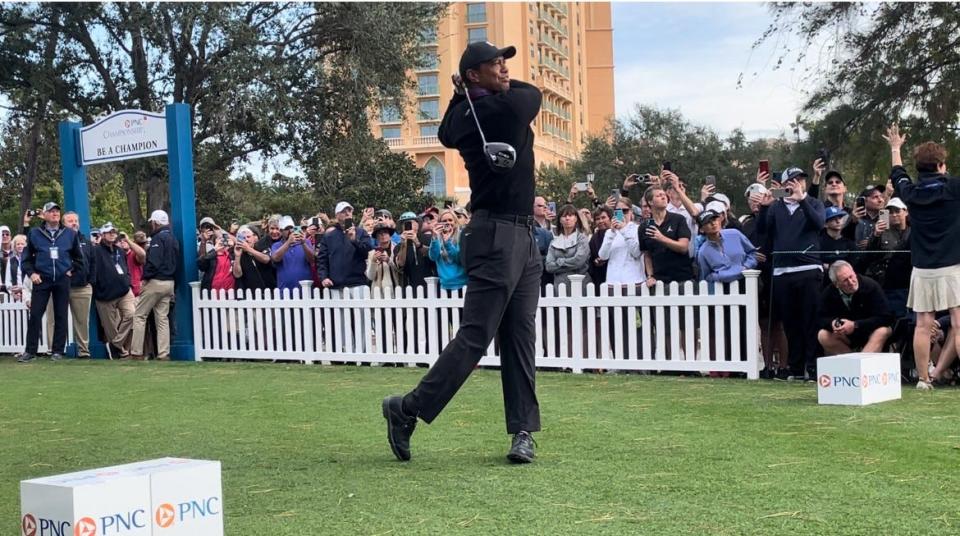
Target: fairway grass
column 304, row 451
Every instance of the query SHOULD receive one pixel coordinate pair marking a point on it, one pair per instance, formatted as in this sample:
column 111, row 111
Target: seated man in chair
column 854, row 313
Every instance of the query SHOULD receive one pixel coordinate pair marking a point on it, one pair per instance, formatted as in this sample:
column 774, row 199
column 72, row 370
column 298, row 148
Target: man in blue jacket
column 342, row 257
column 794, row 223
column 53, row 255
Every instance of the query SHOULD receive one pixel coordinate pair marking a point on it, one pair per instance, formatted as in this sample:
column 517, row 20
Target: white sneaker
column 924, row 386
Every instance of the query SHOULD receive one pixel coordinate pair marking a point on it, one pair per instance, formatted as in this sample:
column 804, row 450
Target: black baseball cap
column 482, row 52
column 706, row 217
column 833, row 173
column 868, row 191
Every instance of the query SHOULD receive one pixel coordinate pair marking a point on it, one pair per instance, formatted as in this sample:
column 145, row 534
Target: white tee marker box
column 168, row 496
column 858, row 379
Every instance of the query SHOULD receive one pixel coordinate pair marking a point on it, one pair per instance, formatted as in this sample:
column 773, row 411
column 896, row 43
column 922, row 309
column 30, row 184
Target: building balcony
column 554, row 45
column 416, row 142
column 553, row 22
column 556, row 68
column 559, row 7
column 555, row 87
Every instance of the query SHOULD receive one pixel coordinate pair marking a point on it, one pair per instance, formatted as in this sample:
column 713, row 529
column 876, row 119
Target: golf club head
column 502, row 156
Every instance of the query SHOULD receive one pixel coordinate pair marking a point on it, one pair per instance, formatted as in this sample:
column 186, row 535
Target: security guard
column 500, row 255
column 53, row 254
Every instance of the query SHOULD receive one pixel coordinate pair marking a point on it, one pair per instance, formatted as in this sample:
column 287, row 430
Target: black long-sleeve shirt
column 934, row 205
column 868, row 306
column 162, row 256
column 505, row 117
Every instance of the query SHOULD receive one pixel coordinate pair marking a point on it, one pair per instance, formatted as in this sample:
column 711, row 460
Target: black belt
column 515, row 219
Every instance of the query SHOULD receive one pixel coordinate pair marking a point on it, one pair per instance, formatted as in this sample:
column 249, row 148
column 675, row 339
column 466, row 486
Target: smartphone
column 552, row 205
column 667, row 165
column 225, row 239
column 884, row 216
column 615, row 193
column 408, row 225
column 824, row 155
column 861, row 202
column 711, row 180
column 315, row 222
column 348, row 224
column 580, row 186
column 765, row 166
column 780, row 193
column 618, row 215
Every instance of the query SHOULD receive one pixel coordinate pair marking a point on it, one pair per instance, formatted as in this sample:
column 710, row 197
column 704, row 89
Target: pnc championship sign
column 123, row 135
column 169, row 497
column 858, row 379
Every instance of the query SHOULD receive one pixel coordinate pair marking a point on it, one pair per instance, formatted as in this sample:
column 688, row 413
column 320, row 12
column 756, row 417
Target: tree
column 262, row 79
column 884, row 62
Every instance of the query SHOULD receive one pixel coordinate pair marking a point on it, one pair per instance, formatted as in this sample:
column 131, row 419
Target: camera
column 33, row 213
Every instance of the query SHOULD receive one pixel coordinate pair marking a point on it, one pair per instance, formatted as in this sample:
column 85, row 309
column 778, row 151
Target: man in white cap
column 158, row 287
column 6, row 242
column 342, row 256
column 112, row 292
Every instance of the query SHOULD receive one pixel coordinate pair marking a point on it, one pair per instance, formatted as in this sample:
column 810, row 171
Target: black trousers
column 796, row 297
column 503, row 268
column 59, row 290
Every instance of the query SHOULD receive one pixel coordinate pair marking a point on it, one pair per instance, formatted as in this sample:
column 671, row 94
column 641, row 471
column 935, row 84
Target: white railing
column 13, row 327
column 589, row 327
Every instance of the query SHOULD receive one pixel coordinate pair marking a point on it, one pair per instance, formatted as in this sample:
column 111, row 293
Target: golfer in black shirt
column 497, row 248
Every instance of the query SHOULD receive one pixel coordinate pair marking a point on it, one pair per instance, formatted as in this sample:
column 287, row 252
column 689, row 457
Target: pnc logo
column 165, row 515
column 85, row 526
column 824, row 380
column 29, row 525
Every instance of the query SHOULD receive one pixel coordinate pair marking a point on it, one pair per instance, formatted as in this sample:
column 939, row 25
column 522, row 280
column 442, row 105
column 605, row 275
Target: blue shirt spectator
column 726, row 253
column 445, row 251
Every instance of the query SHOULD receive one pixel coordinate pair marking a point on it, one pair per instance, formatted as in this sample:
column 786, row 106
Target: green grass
column 304, row 451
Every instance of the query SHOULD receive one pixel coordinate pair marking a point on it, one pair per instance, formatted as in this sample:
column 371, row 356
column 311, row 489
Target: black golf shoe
column 521, row 451
column 400, row 427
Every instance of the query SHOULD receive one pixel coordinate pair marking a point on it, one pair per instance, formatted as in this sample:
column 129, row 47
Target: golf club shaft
column 473, row 112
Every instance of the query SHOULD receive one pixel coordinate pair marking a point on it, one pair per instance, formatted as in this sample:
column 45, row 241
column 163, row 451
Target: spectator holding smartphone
column 621, row 248
column 867, row 215
column 292, row 256
column 410, row 255
column 136, row 253
column 342, row 258
column 250, row 266
column 381, row 268
column 892, row 270
column 793, row 223
column 934, row 203
column 666, row 241
column 569, row 252
column 217, row 266
column 602, row 219
column 445, row 252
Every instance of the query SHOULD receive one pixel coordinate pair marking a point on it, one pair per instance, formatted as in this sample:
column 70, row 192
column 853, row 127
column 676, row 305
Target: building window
column 428, row 36
column 429, row 130
column 429, row 60
column 391, row 132
column 427, row 84
column 476, row 13
column 437, row 183
column 476, row 34
column 429, row 110
column 390, row 114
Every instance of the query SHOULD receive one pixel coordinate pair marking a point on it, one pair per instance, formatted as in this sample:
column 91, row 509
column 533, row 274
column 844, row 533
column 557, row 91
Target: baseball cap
column 384, row 212
column 707, row 216
column 50, row 206
column 716, row 206
column 140, row 237
column 834, row 212
column 4, row 228
column 286, row 222
column 896, row 202
column 871, row 188
column 407, row 216
column 159, row 217
column 793, row 173
column 207, row 221
column 755, row 188
column 107, row 228
column 721, row 198
column 383, row 228
column 340, row 208
column 482, row 52
column 94, row 231
column 833, row 173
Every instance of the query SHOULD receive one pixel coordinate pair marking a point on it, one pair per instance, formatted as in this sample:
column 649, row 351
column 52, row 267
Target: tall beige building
column 565, row 48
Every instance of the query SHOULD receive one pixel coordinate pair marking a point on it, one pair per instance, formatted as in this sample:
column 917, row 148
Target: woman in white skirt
column 934, row 206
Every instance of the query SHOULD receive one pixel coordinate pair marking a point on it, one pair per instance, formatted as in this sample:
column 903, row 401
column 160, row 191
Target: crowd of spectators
column 837, row 274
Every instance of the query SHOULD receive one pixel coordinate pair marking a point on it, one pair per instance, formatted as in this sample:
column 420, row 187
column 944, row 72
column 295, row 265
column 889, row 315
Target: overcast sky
column 688, row 56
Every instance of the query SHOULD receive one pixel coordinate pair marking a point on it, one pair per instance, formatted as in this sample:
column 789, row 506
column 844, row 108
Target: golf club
column 501, row 156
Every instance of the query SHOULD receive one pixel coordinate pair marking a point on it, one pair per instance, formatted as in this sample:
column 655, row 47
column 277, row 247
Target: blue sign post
column 136, row 134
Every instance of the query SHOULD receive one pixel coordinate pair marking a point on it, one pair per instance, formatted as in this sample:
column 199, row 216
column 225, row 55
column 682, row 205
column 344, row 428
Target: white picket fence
column 588, row 327
column 13, row 327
